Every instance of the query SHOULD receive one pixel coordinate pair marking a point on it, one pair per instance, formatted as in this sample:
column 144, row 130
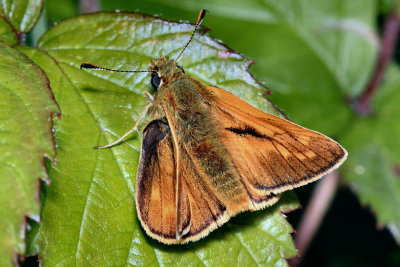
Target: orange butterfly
column 207, row 155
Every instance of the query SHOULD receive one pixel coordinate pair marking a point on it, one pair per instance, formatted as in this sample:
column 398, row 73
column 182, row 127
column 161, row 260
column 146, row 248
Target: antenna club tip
column 199, row 20
column 86, row 65
column 201, row 15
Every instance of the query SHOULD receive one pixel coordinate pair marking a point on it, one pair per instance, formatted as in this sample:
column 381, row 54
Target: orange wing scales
column 271, row 154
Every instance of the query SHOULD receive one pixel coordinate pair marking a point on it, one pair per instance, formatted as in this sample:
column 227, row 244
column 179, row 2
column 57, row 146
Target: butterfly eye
column 181, row 69
column 155, row 80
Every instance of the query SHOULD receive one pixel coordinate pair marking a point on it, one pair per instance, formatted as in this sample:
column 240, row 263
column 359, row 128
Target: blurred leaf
column 36, row 33
column 374, row 155
column 22, row 14
column 312, row 54
column 89, row 215
column 61, row 9
column 25, row 138
column 388, row 6
column 7, row 35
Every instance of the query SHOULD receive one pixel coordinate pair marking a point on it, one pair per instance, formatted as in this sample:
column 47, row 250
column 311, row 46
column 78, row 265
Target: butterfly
column 207, row 155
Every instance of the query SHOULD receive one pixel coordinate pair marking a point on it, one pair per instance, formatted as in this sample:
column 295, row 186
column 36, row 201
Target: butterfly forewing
column 199, row 211
column 155, row 185
column 270, row 153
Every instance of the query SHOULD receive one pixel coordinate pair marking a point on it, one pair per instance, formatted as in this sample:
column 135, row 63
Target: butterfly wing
column 271, row 154
column 199, row 210
column 156, row 185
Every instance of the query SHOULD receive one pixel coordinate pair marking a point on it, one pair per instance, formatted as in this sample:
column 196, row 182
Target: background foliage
column 317, row 57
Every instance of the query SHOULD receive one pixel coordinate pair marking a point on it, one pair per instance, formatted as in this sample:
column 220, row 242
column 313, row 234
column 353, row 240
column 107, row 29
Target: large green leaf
column 312, row 54
column 22, row 14
column 25, row 139
column 89, row 215
column 374, row 155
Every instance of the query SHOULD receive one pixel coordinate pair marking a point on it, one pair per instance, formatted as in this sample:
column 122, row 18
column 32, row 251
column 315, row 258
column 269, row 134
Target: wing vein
column 284, row 159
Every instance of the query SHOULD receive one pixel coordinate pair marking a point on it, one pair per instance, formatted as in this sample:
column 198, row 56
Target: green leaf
column 89, row 215
column 374, row 155
column 25, row 139
column 388, row 6
column 312, row 54
column 61, row 9
column 22, row 14
column 7, row 35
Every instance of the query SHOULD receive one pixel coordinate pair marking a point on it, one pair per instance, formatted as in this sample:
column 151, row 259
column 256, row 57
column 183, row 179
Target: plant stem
column 391, row 28
column 89, row 6
column 319, row 203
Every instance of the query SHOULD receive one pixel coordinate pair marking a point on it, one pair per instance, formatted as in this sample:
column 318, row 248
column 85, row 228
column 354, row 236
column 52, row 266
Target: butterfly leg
column 135, row 127
column 149, row 97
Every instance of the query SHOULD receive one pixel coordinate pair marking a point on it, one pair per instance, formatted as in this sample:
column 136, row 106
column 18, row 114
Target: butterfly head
column 163, row 71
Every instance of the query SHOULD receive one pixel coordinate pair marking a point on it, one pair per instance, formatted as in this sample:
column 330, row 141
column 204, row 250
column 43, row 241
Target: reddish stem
column 311, row 220
column 388, row 42
column 89, row 6
column 18, row 34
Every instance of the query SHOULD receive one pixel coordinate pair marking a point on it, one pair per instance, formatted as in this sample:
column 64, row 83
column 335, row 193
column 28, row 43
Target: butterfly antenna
column 199, row 20
column 95, row 67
